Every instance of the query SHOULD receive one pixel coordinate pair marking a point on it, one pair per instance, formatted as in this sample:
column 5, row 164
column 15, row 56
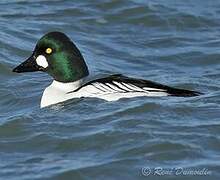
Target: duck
column 57, row 55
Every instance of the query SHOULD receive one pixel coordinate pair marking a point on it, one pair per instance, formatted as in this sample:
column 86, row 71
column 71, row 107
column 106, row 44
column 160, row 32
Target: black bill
column 29, row 65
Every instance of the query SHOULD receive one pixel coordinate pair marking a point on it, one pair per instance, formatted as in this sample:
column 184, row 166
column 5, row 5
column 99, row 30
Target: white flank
column 59, row 92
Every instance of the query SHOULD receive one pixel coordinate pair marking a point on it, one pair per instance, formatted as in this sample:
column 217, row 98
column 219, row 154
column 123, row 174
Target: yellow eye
column 49, row 51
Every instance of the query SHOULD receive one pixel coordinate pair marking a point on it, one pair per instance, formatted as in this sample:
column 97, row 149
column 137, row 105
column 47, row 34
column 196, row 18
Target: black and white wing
column 131, row 87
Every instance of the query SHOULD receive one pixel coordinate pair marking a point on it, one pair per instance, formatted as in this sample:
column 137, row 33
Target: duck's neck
column 70, row 86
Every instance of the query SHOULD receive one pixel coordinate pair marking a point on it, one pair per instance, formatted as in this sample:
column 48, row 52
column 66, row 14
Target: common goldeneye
column 57, row 55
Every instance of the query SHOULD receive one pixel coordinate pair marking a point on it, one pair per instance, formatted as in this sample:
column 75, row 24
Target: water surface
column 175, row 43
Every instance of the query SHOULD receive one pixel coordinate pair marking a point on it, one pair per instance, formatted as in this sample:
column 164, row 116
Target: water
column 175, row 43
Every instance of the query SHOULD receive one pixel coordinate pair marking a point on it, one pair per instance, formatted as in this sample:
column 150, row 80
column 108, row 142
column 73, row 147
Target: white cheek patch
column 42, row 61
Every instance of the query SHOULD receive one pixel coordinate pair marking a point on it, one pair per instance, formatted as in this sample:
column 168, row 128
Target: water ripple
column 171, row 42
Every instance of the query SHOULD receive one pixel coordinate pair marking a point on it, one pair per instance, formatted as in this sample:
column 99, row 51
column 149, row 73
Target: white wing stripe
column 128, row 87
column 114, row 87
column 99, row 87
column 155, row 89
column 136, row 87
column 121, row 86
column 133, row 87
column 107, row 88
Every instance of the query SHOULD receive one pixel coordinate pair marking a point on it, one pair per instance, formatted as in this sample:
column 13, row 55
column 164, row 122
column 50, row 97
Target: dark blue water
column 172, row 42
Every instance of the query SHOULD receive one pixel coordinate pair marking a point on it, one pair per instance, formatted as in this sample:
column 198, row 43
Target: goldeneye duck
column 58, row 56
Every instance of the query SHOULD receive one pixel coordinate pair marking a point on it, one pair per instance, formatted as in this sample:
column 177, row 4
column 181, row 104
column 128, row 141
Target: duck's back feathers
column 118, row 83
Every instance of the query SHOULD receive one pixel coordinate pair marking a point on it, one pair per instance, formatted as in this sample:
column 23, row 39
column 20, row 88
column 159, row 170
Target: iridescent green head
column 56, row 54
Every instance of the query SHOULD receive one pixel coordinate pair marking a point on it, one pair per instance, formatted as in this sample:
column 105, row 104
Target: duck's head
column 56, row 54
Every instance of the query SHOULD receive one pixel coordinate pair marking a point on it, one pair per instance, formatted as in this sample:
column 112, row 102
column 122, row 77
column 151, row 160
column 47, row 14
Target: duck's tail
column 183, row 92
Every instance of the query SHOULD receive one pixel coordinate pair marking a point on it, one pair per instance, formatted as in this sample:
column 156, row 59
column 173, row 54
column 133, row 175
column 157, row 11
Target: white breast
column 58, row 92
